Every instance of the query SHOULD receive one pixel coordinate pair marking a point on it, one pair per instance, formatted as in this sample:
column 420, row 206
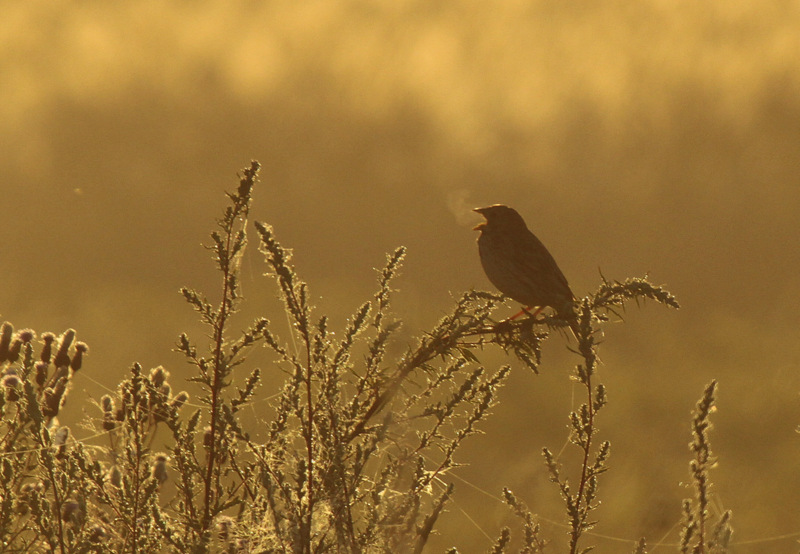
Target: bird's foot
column 524, row 311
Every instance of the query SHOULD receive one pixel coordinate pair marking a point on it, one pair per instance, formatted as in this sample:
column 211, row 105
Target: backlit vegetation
column 355, row 454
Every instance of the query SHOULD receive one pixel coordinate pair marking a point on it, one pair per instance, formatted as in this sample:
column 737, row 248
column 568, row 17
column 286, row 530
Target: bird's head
column 499, row 216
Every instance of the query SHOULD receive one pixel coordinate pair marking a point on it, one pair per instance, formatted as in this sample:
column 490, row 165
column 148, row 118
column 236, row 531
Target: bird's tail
column 570, row 314
column 575, row 327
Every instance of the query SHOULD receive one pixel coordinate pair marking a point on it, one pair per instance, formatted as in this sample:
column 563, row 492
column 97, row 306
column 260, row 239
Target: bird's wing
column 540, row 266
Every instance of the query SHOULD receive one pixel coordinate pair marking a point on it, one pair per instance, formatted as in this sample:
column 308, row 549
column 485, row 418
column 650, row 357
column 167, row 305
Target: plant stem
column 216, row 385
column 58, row 502
column 309, row 447
column 578, row 529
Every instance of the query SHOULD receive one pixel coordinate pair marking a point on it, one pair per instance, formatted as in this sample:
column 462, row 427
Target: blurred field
column 651, row 137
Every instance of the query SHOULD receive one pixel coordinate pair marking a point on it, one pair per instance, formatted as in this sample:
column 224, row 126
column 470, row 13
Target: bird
column 520, row 266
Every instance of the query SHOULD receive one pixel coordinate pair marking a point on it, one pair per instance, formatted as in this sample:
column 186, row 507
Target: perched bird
column 519, row 265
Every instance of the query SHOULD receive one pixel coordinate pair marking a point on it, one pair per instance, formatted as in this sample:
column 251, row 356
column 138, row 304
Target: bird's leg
column 507, row 322
column 526, row 311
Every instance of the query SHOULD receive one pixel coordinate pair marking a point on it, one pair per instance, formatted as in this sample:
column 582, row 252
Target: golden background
column 658, row 137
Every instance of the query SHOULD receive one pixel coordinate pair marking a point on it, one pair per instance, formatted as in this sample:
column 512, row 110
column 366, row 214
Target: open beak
column 482, row 224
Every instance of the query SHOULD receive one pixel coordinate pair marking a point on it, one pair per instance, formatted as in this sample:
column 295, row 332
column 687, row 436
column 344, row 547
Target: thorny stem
column 219, row 327
column 585, row 431
column 576, row 530
column 136, row 483
column 58, row 502
column 309, row 448
column 225, row 308
column 425, row 353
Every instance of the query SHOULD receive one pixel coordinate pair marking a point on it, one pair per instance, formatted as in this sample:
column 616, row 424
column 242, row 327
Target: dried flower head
column 11, row 382
column 61, row 436
column 97, row 533
column 32, row 488
column 28, row 493
column 158, row 375
column 47, row 349
column 107, row 403
column 77, row 360
column 41, row 373
column 60, row 442
column 10, row 379
column 13, row 350
column 109, row 423
column 71, row 512
column 6, row 330
column 158, row 471
column 62, row 355
column 115, row 477
column 226, row 527
column 179, row 400
column 52, row 399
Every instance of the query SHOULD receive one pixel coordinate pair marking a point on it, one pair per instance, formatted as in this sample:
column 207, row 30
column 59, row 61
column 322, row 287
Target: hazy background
column 635, row 137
